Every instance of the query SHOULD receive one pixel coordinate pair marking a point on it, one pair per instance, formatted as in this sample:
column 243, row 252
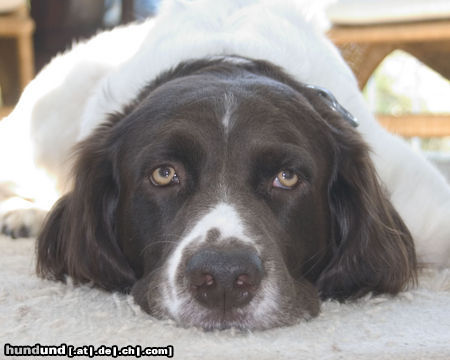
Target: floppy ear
column 373, row 250
column 79, row 236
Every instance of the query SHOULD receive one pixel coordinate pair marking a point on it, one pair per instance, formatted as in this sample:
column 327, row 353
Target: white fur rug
column 414, row 325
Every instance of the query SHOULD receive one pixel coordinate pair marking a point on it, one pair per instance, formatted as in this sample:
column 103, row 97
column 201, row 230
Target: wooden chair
column 365, row 46
column 17, row 57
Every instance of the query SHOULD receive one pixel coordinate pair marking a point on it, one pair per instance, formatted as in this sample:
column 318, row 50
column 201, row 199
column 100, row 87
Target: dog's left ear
column 372, row 249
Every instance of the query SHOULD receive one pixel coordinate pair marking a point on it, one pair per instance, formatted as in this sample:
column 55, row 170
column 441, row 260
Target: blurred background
column 398, row 49
column 34, row 31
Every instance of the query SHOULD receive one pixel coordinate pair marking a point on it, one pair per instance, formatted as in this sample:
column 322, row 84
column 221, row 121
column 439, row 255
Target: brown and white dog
column 219, row 189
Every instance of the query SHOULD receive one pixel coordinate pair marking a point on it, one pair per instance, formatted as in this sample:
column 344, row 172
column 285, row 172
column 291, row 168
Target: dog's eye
column 164, row 176
column 285, row 179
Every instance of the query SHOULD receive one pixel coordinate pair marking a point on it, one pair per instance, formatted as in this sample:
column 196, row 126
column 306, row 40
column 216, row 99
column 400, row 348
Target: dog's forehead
column 227, row 107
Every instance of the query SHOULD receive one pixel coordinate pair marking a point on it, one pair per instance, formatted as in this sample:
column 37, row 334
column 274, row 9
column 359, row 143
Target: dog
column 217, row 181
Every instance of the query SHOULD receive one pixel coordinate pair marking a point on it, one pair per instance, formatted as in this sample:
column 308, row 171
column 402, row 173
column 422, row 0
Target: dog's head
column 227, row 195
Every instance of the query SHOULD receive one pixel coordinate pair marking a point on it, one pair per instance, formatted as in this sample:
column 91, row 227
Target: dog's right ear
column 79, row 237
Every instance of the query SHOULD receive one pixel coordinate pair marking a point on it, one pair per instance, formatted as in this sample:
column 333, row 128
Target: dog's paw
column 22, row 221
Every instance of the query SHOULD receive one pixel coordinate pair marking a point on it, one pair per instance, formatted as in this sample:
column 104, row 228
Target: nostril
column 201, row 279
column 209, row 280
column 242, row 280
column 245, row 282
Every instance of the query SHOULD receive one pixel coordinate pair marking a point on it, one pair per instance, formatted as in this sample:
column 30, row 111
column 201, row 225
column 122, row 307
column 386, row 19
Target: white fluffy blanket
column 413, row 325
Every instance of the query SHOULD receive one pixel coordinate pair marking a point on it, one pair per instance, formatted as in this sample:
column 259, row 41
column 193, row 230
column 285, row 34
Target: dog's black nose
column 224, row 279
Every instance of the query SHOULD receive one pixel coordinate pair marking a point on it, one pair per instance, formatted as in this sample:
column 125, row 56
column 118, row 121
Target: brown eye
column 164, row 176
column 285, row 179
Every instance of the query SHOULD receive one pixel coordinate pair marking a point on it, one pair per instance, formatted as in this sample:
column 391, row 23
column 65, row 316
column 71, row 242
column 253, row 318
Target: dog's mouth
column 212, row 320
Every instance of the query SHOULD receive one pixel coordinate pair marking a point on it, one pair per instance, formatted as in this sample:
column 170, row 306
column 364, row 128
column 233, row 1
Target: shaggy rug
column 413, row 325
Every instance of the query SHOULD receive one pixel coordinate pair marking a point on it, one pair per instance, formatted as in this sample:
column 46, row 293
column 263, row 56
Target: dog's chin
column 237, row 319
column 216, row 320
column 262, row 314
column 211, row 320
column 193, row 315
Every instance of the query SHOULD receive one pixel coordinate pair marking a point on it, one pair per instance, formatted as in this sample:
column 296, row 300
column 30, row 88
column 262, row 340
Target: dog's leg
column 20, row 218
column 22, row 210
column 26, row 192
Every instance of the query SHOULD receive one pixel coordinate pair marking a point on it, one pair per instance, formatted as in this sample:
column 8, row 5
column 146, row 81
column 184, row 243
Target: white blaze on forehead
column 223, row 217
column 229, row 104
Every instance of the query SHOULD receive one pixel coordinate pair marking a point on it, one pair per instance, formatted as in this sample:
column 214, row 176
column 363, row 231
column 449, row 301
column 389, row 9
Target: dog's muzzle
column 224, row 279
